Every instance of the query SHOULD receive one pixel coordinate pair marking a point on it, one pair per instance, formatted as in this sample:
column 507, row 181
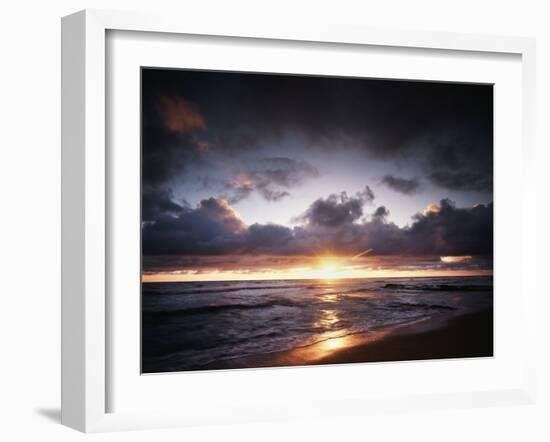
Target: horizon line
column 449, row 275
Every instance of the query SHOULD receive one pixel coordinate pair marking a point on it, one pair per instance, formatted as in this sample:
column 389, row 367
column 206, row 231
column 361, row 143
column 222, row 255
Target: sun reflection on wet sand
column 329, row 345
column 330, row 338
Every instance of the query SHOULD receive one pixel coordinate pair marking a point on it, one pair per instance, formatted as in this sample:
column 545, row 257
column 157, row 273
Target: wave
column 415, row 306
column 438, row 287
column 224, row 289
column 205, row 309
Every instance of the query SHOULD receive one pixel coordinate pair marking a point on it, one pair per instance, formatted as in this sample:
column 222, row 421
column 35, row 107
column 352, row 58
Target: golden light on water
column 329, row 297
column 327, row 319
column 331, row 336
column 329, row 341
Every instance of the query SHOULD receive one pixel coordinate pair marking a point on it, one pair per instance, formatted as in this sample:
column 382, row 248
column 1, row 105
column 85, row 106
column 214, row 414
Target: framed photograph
column 262, row 222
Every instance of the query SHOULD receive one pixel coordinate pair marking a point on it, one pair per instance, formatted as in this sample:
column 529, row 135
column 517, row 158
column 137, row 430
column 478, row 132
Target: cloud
column 169, row 154
column 430, row 208
column 286, row 172
column 443, row 130
column 452, row 231
column 455, row 259
column 380, row 214
column 267, row 238
column 331, row 225
column 205, row 263
column 267, row 176
column 337, row 210
column 334, row 211
column 213, row 227
column 366, row 195
column 461, row 180
column 174, row 138
column 157, row 202
column 402, row 185
column 461, row 159
column 181, row 115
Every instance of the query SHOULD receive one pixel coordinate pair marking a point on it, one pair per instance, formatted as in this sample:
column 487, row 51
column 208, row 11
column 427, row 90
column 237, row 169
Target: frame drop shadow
column 51, row 414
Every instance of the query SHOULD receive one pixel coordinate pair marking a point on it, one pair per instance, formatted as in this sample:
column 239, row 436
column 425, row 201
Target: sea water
column 191, row 325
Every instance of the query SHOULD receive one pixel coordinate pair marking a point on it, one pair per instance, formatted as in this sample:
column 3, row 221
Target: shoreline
column 468, row 335
column 465, row 336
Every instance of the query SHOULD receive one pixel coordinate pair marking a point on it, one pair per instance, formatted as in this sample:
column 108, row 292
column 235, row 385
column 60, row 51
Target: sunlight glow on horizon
column 327, row 272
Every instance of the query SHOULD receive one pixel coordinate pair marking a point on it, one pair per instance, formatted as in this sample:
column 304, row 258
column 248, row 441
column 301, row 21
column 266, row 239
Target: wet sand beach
column 465, row 336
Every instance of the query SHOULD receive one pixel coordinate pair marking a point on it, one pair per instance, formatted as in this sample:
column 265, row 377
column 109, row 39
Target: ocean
column 199, row 325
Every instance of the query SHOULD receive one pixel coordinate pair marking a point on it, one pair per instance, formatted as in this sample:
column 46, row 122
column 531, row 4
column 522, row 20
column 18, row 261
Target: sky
column 262, row 176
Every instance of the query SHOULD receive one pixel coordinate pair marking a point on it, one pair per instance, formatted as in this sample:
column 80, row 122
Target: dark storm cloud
column 266, row 239
column 166, row 154
column 173, row 137
column 331, row 224
column 408, row 186
column 445, row 129
column 334, row 211
column 213, row 227
column 462, row 180
column 337, row 210
column 461, row 160
column 158, row 202
column 267, row 176
column 453, row 231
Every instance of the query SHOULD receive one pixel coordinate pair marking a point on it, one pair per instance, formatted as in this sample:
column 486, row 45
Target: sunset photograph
column 297, row 220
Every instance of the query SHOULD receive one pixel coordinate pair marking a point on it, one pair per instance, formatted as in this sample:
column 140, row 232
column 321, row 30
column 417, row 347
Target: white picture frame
column 85, row 213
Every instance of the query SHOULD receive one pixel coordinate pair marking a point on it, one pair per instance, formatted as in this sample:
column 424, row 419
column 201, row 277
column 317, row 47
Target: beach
column 467, row 336
column 464, row 336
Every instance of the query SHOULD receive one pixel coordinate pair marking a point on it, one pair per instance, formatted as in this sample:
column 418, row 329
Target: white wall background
column 30, row 218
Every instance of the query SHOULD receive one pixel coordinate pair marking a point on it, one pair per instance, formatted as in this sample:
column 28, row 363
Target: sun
column 328, row 269
column 328, row 272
